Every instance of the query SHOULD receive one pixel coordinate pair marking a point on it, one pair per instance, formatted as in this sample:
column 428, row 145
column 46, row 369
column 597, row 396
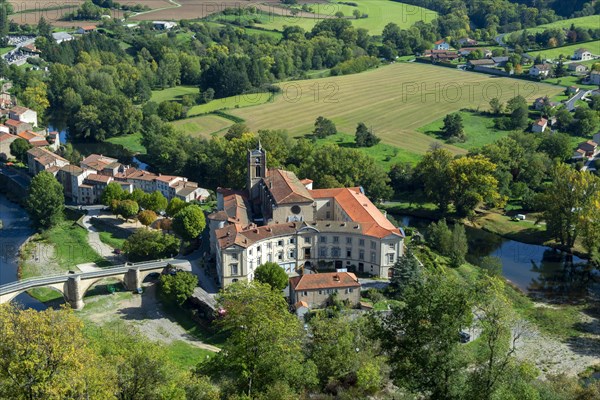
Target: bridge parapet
column 74, row 286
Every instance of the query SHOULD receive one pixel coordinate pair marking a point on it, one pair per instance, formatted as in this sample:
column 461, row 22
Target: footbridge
column 75, row 285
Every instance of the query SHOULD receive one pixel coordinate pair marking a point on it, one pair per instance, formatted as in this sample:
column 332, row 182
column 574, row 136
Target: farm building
column 60, row 37
column 582, row 54
column 540, row 125
column 540, row 70
column 163, row 25
column 577, row 68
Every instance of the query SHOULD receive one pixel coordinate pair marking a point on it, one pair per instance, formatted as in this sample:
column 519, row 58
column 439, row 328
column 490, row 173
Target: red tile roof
column 360, row 209
column 286, row 188
column 330, row 280
column 6, row 136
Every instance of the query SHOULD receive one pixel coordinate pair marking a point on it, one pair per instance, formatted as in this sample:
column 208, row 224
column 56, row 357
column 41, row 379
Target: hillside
column 395, row 101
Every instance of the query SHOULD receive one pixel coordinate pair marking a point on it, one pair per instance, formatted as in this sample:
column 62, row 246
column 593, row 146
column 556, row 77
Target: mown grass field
column 131, row 142
column 478, row 128
column 567, row 51
column 394, row 100
column 203, row 125
column 244, row 100
column 589, row 22
column 173, row 93
column 569, row 80
column 380, row 13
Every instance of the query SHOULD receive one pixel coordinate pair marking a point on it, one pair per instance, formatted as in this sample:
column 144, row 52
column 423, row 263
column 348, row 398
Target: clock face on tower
column 257, row 160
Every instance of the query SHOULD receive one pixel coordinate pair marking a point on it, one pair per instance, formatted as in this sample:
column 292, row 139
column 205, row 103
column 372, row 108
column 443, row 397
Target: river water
column 15, row 231
column 539, row 271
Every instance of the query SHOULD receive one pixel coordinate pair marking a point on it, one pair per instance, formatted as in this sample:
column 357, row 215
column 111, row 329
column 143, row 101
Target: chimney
column 336, row 278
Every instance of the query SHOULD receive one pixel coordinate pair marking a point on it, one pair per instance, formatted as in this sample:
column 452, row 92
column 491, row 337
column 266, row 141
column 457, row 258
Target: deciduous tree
column 44, row 355
column 147, row 244
column 45, row 201
column 178, row 287
column 113, row 191
column 19, row 148
column 189, row 222
column 272, row 274
column 421, row 337
column 175, row 205
column 264, row 345
column 147, row 217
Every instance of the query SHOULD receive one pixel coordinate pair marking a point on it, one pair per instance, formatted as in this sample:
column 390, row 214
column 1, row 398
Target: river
column 105, row 148
column 15, row 231
column 539, row 271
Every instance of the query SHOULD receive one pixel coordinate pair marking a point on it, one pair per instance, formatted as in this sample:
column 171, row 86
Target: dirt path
column 145, row 313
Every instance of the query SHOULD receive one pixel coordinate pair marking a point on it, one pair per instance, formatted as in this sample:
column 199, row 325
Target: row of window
column 323, row 240
column 330, row 291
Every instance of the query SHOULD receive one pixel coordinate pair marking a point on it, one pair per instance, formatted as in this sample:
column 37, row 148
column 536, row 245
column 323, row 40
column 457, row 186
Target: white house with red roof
column 279, row 219
column 441, row 45
column 23, row 114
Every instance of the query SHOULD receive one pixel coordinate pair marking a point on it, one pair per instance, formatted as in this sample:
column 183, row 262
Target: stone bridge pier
column 75, row 288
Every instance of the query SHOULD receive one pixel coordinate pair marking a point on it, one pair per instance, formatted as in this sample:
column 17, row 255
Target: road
column 107, row 272
column 570, row 104
column 94, row 241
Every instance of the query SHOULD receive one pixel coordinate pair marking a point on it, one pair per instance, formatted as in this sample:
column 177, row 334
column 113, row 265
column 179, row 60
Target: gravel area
column 145, row 313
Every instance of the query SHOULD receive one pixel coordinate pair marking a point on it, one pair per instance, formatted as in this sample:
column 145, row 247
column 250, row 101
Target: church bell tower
column 257, row 170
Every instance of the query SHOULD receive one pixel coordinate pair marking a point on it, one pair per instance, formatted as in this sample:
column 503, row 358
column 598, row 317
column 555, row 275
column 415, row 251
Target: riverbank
column 528, row 231
column 557, row 339
column 54, row 251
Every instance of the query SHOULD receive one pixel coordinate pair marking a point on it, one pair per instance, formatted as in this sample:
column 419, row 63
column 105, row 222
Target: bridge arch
column 9, row 297
column 145, row 274
column 86, row 284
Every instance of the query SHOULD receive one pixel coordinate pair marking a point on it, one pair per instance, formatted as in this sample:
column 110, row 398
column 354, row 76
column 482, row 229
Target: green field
column 131, row 142
column 173, row 93
column 567, row 51
column 395, row 100
column 478, row 128
column 569, row 80
column 589, row 22
column 384, row 154
column 243, row 100
column 203, row 125
column 380, row 13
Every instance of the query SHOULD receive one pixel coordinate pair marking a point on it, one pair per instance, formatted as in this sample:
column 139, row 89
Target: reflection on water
column 538, row 270
column 14, row 233
column 117, row 151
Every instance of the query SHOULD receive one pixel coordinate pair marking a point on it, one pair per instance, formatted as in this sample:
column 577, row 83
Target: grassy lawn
column 478, row 128
column 109, row 234
column 132, row 142
column 4, row 50
column 589, row 22
column 243, row 100
column 185, row 355
column 70, row 248
column 396, row 100
column 71, row 245
column 567, row 51
column 272, row 34
column 523, row 231
column 380, row 13
column 173, row 93
column 384, row 154
column 203, row 125
column 567, row 81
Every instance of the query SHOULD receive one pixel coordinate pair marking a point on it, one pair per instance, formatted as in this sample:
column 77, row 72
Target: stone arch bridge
column 74, row 286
